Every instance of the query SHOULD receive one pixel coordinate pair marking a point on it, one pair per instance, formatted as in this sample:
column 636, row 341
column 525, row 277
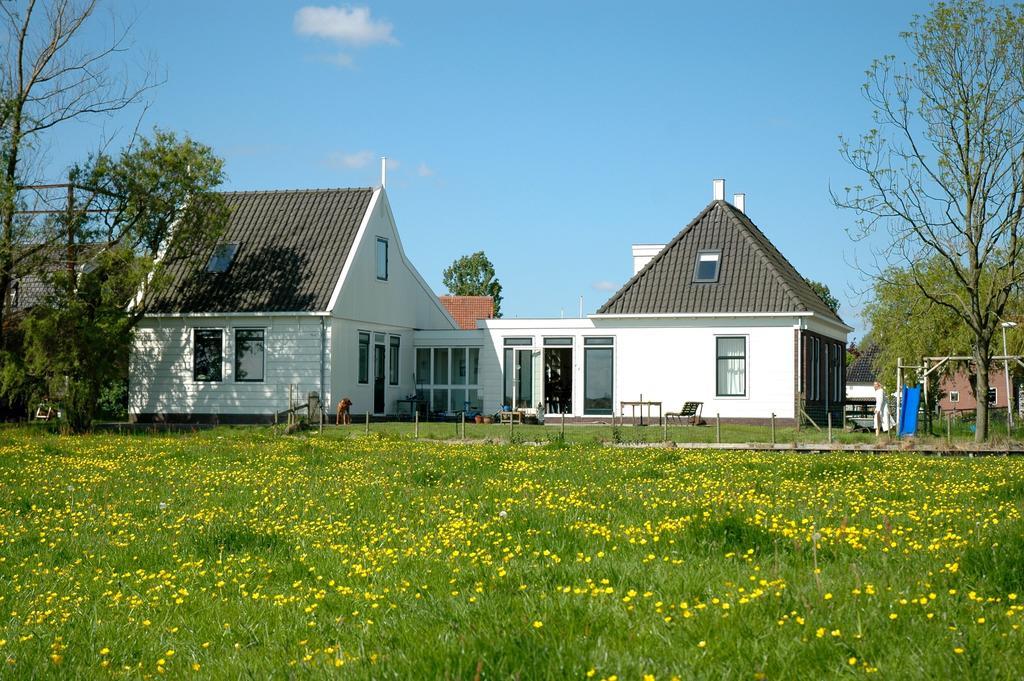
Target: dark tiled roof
column 466, row 310
column 862, row 369
column 753, row 275
column 292, row 248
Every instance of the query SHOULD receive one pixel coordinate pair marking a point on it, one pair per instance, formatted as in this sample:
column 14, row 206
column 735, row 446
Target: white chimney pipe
column 383, row 171
column 718, row 189
column 740, row 201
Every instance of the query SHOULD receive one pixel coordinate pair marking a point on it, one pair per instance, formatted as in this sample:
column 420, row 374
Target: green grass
column 254, row 555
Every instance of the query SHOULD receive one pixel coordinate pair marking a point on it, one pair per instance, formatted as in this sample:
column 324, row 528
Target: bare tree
column 50, row 76
column 943, row 166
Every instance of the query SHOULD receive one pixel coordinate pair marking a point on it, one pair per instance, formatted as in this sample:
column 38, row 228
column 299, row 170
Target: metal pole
column 1006, row 372
column 463, row 425
column 830, row 427
column 321, row 421
column 773, row 427
column 899, row 392
column 367, row 421
column 718, row 428
column 416, row 431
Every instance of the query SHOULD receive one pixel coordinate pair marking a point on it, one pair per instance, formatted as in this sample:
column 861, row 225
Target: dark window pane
column 707, row 267
column 440, row 366
column 599, row 340
column 382, row 259
column 222, row 257
column 558, row 340
column 519, row 341
column 249, row 355
column 597, row 381
column 364, row 357
column 458, row 367
column 423, row 366
column 394, row 358
column 474, row 366
column 207, row 354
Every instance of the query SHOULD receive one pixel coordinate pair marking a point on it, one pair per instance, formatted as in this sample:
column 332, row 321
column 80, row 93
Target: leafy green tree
column 825, row 294
column 146, row 208
column 473, row 275
column 942, row 167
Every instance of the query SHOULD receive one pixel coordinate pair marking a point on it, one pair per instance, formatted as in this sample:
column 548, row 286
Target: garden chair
column 690, row 411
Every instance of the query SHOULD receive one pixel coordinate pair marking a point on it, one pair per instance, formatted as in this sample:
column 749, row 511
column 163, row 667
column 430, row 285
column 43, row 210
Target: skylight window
column 223, row 255
column 707, row 266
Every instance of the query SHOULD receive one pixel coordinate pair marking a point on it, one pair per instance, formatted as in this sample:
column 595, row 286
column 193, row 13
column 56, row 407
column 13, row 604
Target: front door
column 378, row 379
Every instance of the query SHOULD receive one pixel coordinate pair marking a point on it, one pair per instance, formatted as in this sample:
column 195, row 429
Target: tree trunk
column 981, row 362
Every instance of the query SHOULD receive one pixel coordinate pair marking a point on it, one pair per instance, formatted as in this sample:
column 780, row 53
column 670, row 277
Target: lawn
column 246, row 554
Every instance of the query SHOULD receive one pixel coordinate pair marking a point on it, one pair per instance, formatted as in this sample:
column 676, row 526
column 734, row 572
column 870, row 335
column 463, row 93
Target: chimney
column 740, row 201
column 718, row 187
column 643, row 253
column 383, row 172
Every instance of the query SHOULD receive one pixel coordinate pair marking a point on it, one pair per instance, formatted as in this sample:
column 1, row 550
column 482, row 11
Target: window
column 954, row 395
column 441, row 366
column 207, row 354
column 382, row 259
column 992, row 397
column 518, row 378
column 558, row 340
column 221, row 259
column 474, row 366
column 447, row 379
column 706, row 269
column 249, row 355
column 394, row 359
column 732, row 366
column 364, row 357
column 519, row 341
column 423, row 366
column 459, row 366
column 598, row 376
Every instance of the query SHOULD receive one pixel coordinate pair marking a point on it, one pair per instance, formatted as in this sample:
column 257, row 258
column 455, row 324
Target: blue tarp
column 908, row 410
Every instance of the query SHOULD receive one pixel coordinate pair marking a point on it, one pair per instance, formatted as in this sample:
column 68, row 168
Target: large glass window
column 598, row 378
column 732, row 366
column 249, row 355
column 459, row 366
column 207, row 355
column 473, row 371
column 518, row 366
column 382, row 259
column 423, row 366
column 441, row 366
column 394, row 359
column 706, row 269
column 439, row 405
column 364, row 357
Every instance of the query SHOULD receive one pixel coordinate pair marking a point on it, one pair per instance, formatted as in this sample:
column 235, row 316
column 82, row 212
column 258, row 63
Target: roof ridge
column 657, row 258
column 308, row 190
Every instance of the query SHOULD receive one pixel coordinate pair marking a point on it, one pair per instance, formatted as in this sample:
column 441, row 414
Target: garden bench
column 690, row 411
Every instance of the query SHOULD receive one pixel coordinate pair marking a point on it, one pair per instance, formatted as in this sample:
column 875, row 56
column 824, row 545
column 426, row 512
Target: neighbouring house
column 312, row 289
column 860, row 387
column 468, row 310
column 957, row 392
column 307, row 291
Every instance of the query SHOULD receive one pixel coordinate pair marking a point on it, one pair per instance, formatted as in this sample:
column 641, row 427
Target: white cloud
column 357, row 159
column 340, row 60
column 605, row 286
column 346, row 25
column 423, row 170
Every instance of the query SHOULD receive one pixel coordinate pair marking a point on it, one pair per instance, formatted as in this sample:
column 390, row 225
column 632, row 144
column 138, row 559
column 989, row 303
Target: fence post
column 718, row 428
column 830, row 427
column 773, row 427
column 511, row 428
column 664, row 429
column 949, row 428
column 416, row 431
column 367, row 422
column 321, row 421
column 563, row 425
column 463, row 425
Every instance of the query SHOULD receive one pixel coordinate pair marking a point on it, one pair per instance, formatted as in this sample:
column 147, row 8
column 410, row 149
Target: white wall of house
column 395, row 306
column 671, row 360
column 161, row 379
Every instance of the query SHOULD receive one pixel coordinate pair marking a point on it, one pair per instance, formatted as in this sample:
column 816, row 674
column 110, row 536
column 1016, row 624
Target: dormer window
column 706, row 269
column 220, row 260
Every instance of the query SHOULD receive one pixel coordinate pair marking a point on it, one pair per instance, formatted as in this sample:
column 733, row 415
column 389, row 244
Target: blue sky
column 550, row 135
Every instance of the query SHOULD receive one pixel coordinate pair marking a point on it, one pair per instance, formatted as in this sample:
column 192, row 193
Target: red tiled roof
column 467, row 309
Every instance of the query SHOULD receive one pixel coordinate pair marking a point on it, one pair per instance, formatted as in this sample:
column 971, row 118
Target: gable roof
column 292, row 247
column 466, row 310
column 862, row 369
column 753, row 275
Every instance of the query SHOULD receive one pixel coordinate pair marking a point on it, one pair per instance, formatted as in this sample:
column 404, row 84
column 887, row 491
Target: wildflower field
column 245, row 554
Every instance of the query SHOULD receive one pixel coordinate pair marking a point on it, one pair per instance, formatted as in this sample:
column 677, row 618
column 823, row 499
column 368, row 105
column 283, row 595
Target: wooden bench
column 690, row 411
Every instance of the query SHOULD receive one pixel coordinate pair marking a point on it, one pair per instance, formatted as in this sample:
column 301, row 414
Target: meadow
column 247, row 554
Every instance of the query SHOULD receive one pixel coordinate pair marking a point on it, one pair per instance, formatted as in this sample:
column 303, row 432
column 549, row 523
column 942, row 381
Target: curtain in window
column 732, row 366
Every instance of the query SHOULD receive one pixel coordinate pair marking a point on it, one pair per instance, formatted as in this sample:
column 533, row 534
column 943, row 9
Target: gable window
column 382, row 259
column 364, row 357
column 395, row 343
column 731, row 366
column 249, row 357
column 706, row 269
column 207, row 355
column 222, row 257
column 954, row 395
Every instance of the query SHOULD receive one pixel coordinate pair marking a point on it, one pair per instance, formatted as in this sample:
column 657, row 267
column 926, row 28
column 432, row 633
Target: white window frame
column 954, row 396
column 746, row 366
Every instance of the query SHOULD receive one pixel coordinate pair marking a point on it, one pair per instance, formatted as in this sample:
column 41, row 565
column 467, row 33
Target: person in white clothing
column 881, row 410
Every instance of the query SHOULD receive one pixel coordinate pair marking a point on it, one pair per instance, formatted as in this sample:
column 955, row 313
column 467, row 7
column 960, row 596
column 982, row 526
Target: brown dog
column 343, row 415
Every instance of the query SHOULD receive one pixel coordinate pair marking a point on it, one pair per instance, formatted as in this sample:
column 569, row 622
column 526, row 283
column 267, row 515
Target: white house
column 314, row 290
